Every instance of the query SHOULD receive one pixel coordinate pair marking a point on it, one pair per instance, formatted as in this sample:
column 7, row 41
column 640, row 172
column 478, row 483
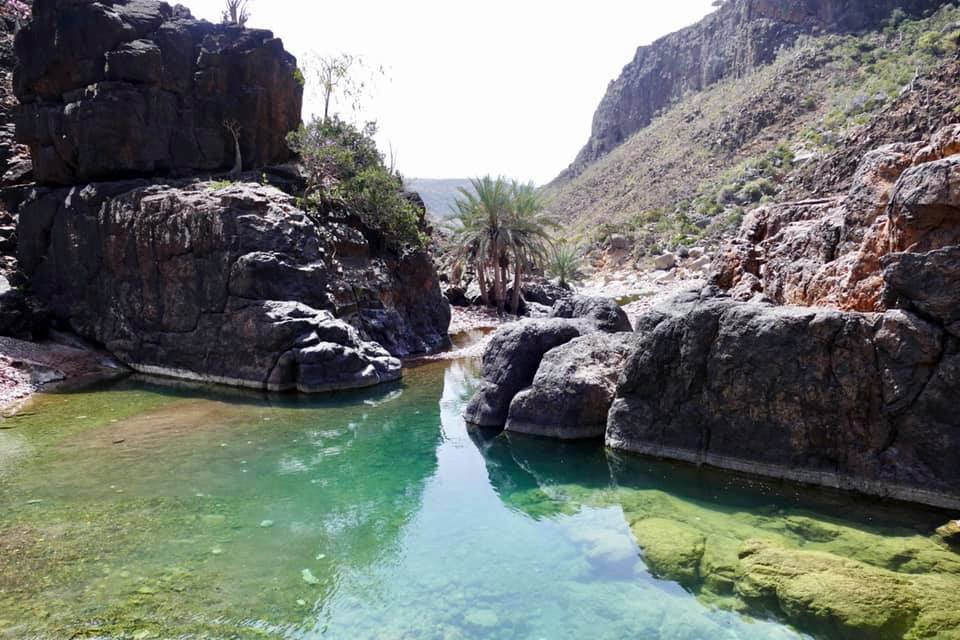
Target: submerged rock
column 828, row 594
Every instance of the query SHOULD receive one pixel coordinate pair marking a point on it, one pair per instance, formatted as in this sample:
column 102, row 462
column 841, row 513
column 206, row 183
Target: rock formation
column 573, row 388
column 514, row 356
column 213, row 281
column 738, row 37
column 904, row 198
column 851, row 400
column 229, row 286
column 137, row 87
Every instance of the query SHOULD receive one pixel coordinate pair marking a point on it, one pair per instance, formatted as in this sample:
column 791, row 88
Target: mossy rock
column 827, row 594
column 670, row 549
column 949, row 535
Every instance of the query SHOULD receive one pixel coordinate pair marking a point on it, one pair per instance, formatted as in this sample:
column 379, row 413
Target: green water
column 138, row 510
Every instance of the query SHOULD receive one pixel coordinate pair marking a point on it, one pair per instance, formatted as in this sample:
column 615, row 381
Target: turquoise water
column 139, row 510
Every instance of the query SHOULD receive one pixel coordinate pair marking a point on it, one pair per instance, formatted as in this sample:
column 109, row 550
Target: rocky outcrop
column 830, row 252
column 847, row 400
column 174, row 277
column 510, row 363
column 137, row 87
column 738, row 37
column 605, row 313
column 514, row 355
column 573, row 388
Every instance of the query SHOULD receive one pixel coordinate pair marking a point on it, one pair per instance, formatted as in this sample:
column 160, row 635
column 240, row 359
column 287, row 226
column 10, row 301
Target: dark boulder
column 174, row 277
column 926, row 283
column 604, row 312
column 514, row 354
column 510, row 363
column 850, row 400
column 111, row 89
column 573, row 388
column 545, row 292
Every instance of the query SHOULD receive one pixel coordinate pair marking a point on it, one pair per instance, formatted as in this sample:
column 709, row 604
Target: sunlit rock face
column 859, row 401
column 843, row 252
column 125, row 87
column 227, row 284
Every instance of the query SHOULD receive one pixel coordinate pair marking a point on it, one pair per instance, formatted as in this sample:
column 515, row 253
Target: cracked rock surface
column 227, row 284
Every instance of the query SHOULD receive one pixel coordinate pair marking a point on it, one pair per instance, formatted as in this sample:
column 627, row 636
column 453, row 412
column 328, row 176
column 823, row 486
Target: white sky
column 496, row 86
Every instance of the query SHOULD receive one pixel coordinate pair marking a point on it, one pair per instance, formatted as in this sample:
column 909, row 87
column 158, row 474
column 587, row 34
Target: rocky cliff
column 833, row 358
column 737, row 38
column 226, row 281
column 137, row 87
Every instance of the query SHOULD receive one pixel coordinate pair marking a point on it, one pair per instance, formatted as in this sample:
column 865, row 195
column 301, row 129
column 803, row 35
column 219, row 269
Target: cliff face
column 128, row 100
column 139, row 87
column 737, row 38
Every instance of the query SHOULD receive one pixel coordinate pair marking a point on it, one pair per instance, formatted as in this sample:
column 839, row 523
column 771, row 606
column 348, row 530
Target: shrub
column 346, row 173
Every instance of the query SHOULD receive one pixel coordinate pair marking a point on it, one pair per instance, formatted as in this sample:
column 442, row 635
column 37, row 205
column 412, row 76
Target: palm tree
column 528, row 230
column 502, row 226
column 565, row 264
column 483, row 238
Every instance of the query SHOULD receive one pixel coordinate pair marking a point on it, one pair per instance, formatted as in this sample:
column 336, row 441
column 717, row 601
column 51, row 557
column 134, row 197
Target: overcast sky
column 499, row 86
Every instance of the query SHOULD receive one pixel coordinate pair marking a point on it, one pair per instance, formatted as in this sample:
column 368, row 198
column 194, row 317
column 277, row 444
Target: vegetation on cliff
column 701, row 164
column 346, row 172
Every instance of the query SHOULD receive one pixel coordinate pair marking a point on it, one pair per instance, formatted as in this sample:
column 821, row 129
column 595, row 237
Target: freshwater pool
column 139, row 509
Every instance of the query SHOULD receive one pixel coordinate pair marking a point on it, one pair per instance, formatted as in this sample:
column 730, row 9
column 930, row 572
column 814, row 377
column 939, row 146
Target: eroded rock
column 573, row 388
column 110, row 89
column 839, row 399
column 227, row 284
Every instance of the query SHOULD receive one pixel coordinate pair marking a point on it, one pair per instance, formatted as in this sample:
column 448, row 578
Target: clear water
column 141, row 510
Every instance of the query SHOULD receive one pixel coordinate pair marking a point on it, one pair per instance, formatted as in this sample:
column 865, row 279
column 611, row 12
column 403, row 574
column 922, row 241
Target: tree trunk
column 482, row 281
column 517, row 279
column 498, row 288
column 238, row 158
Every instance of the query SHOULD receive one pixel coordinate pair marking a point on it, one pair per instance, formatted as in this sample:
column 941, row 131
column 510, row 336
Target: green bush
column 346, row 173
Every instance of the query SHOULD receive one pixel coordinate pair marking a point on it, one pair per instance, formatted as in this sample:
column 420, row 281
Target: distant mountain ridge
column 729, row 43
column 439, row 194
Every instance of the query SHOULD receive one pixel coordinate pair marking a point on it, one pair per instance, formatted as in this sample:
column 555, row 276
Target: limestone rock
column 127, row 87
column 665, row 261
column 573, row 388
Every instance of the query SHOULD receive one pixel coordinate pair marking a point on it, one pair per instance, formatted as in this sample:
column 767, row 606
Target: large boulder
column 514, row 354
column 174, row 277
column 573, row 388
column 127, row 87
column 510, row 363
column 926, row 283
column 858, row 401
column 605, row 313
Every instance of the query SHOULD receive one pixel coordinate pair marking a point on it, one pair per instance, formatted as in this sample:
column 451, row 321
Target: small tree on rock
column 237, row 12
column 234, row 128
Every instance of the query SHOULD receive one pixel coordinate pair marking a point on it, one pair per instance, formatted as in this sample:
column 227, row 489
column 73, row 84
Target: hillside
column 691, row 174
column 438, row 194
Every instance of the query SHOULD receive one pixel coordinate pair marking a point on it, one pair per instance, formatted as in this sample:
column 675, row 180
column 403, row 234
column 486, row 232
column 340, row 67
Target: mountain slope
column 438, row 194
column 729, row 43
column 690, row 174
